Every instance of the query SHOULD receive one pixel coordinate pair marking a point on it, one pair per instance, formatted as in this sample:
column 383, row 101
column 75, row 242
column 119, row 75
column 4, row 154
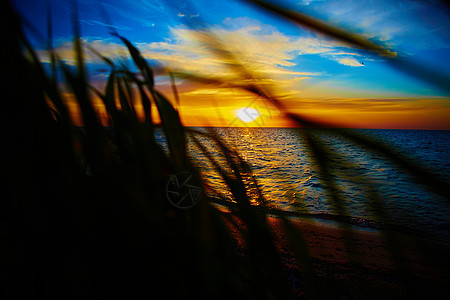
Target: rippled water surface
column 288, row 176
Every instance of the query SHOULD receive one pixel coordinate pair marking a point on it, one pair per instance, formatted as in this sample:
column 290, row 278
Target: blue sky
column 301, row 62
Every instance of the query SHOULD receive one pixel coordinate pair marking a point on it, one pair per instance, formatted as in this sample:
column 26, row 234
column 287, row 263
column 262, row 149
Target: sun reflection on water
column 289, row 179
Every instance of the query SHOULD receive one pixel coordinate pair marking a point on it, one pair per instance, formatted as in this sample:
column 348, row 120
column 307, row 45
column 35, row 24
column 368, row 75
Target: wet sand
column 362, row 264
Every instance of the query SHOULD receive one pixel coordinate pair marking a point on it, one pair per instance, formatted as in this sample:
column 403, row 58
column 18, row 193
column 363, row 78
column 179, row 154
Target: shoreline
column 419, row 267
column 334, row 220
column 364, row 264
column 369, row 247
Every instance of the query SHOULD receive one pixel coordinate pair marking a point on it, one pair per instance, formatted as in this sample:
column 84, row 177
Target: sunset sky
column 311, row 74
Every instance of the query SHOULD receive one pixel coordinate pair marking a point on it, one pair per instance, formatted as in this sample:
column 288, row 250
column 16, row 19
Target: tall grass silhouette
column 85, row 212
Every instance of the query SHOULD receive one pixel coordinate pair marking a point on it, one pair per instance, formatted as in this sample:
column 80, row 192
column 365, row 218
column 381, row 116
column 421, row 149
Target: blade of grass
column 79, row 55
column 413, row 68
column 50, row 41
column 105, row 59
column 174, row 130
column 322, row 27
column 146, row 104
column 140, row 62
column 108, row 98
column 174, row 90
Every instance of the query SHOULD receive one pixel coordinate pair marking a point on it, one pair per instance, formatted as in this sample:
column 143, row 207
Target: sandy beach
column 362, row 264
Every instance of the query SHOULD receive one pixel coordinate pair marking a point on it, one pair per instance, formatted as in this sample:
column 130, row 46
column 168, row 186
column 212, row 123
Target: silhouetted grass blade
column 411, row 67
column 140, row 62
column 108, row 98
column 173, row 129
column 174, row 90
column 146, row 104
column 124, row 99
column 108, row 61
column 322, row 27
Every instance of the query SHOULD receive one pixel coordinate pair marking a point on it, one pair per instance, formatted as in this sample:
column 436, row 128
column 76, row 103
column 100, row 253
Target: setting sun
column 247, row 114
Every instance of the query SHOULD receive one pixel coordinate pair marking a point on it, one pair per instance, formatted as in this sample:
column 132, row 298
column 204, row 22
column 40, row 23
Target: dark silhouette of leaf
column 139, row 61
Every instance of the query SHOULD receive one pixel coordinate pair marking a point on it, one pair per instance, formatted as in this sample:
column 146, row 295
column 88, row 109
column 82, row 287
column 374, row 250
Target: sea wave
column 287, row 173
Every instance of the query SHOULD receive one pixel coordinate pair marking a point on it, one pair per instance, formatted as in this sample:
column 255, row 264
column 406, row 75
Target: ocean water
column 287, row 173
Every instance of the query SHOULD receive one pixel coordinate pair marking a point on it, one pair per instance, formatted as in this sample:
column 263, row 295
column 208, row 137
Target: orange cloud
column 404, row 113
